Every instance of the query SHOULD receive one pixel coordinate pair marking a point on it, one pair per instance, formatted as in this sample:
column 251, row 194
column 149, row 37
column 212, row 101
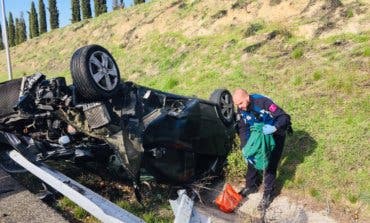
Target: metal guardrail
column 98, row 206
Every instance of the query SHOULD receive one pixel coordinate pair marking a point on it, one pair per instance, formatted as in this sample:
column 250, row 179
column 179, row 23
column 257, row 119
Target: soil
column 284, row 208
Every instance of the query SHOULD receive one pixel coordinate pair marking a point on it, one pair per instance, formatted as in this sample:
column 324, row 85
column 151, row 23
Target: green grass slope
column 316, row 67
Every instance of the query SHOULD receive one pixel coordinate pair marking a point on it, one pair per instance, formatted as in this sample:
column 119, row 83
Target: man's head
column 241, row 99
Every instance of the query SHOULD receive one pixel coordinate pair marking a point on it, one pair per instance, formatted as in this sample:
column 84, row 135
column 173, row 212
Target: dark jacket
column 261, row 109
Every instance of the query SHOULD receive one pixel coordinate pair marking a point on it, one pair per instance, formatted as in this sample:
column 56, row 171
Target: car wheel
column 225, row 110
column 94, row 72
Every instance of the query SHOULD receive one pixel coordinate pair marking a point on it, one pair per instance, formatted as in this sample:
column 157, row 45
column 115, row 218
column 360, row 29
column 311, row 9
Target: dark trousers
column 253, row 176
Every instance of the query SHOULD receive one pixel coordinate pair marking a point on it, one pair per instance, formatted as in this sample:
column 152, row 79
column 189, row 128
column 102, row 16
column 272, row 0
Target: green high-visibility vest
column 258, row 149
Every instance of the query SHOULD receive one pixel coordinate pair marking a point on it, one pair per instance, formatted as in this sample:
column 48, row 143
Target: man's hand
column 268, row 129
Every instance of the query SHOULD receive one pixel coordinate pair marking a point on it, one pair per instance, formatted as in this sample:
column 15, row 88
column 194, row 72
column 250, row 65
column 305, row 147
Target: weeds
column 219, row 14
column 76, row 211
column 349, row 13
column 367, row 51
column 314, row 193
column 236, row 164
column 253, row 29
column 170, row 83
column 317, row 75
column 274, row 2
column 241, row 4
column 297, row 53
column 297, row 80
column 186, row 8
column 352, row 198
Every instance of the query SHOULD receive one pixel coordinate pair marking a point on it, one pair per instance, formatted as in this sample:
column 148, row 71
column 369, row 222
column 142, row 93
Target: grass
column 148, row 215
column 297, row 53
column 154, row 208
column 236, row 167
column 325, row 155
column 366, row 52
column 73, row 209
column 324, row 87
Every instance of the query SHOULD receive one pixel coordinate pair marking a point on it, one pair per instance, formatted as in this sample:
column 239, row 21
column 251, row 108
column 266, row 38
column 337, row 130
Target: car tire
column 95, row 73
column 225, row 110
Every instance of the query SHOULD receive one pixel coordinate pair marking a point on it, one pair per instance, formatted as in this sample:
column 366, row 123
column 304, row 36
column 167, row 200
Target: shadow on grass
column 297, row 147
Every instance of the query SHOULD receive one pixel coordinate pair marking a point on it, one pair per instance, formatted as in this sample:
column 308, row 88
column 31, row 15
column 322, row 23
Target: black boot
column 265, row 202
column 245, row 191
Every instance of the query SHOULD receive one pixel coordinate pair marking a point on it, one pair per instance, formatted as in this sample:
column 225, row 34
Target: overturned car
column 124, row 126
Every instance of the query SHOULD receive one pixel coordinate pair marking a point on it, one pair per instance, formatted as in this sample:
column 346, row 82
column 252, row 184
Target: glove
column 268, row 129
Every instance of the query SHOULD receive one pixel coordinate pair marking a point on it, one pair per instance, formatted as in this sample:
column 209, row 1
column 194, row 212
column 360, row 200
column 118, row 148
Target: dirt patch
column 332, row 17
column 281, row 11
column 284, row 208
column 308, row 30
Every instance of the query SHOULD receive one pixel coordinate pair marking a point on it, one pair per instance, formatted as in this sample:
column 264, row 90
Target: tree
column 76, row 15
column 117, row 5
column 42, row 17
column 34, row 23
column 100, row 7
column 22, row 30
column 138, row 2
column 54, row 14
column 16, row 37
column 97, row 7
column 86, row 9
column 103, row 6
column 11, row 30
column 1, row 39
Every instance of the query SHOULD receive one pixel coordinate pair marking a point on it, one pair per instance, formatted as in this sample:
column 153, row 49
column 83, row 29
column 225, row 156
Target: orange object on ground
column 228, row 199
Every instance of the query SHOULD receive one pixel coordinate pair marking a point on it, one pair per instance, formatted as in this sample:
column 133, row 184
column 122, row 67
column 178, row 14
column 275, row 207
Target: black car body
column 122, row 125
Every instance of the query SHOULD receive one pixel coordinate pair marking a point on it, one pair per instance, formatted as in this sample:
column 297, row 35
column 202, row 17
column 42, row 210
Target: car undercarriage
column 119, row 124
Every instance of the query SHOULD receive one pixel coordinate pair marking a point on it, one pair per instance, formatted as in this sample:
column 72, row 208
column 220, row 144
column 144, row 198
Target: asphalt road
column 18, row 205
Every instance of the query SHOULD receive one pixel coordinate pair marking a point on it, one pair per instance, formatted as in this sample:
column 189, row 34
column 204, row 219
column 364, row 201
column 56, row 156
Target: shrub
column 236, row 165
column 317, row 75
column 253, row 29
column 297, row 53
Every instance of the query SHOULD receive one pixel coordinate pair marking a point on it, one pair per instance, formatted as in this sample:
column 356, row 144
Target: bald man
column 255, row 108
